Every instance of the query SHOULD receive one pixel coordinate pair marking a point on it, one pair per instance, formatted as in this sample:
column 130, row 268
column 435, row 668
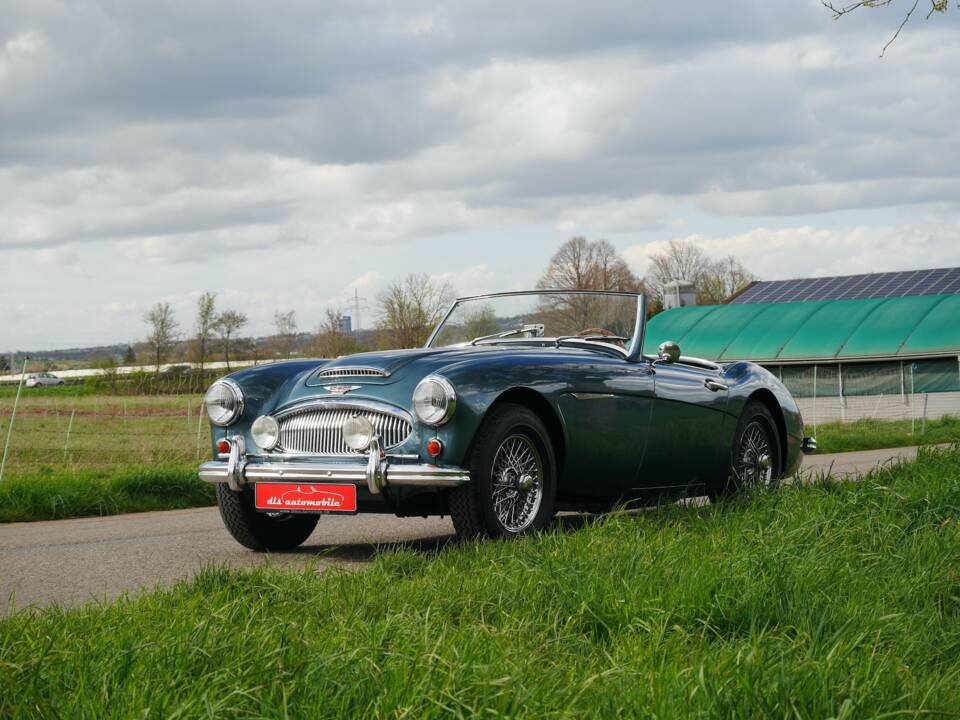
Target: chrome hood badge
column 340, row 389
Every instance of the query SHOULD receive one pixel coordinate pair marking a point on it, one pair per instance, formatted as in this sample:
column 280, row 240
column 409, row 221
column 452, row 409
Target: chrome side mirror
column 668, row 352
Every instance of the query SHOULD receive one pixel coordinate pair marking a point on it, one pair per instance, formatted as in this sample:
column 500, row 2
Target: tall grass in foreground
column 828, row 600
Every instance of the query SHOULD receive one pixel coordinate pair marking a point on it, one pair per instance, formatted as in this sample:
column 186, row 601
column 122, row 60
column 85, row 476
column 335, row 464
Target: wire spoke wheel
column 517, row 483
column 753, row 463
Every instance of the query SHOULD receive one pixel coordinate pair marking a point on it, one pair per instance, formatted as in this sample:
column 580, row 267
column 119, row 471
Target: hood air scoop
column 342, row 372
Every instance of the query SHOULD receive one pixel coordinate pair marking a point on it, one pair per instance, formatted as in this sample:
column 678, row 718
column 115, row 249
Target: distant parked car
column 43, row 380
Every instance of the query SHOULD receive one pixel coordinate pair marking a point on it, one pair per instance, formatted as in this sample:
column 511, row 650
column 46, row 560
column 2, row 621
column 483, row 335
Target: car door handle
column 713, row 385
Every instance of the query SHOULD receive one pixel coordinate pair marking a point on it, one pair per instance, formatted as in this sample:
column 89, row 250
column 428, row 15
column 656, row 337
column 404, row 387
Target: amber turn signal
column 434, row 447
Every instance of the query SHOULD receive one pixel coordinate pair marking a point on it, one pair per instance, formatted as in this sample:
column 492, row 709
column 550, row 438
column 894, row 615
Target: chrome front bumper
column 377, row 472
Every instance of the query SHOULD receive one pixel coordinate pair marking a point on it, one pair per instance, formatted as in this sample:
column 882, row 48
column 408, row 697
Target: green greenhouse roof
column 825, row 330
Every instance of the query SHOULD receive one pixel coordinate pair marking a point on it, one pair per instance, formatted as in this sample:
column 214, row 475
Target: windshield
column 610, row 318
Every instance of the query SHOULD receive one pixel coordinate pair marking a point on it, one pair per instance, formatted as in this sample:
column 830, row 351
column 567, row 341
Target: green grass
column 52, row 495
column 72, row 456
column 872, row 434
column 828, row 600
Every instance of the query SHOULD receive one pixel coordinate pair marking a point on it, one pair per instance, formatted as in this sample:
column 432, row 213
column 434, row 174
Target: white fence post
column 13, row 415
column 66, row 443
column 923, row 423
column 199, row 428
column 913, row 412
column 814, row 400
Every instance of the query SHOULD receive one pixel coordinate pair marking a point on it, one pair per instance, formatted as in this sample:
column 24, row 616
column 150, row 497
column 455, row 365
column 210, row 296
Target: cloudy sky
column 285, row 154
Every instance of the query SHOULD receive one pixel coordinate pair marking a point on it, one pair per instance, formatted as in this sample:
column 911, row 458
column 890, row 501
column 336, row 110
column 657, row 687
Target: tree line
column 410, row 307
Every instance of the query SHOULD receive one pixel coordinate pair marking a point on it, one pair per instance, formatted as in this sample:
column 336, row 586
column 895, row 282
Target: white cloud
column 776, row 254
column 148, row 151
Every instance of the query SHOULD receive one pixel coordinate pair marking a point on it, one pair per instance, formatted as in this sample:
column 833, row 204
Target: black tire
column 259, row 531
column 750, row 469
column 513, row 464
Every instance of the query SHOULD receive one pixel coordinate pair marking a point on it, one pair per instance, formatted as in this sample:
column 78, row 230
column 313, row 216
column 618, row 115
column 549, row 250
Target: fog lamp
column 265, row 432
column 357, row 432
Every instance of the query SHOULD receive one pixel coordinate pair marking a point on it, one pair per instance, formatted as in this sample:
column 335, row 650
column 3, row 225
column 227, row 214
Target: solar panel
column 843, row 287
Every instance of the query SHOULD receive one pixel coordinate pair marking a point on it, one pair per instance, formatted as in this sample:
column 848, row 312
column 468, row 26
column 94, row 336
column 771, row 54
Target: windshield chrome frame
column 639, row 330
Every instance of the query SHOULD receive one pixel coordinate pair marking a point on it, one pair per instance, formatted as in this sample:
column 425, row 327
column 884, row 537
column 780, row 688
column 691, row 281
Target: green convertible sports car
column 519, row 405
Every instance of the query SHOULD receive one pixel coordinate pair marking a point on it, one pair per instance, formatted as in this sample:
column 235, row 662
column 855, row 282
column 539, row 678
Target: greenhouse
column 887, row 353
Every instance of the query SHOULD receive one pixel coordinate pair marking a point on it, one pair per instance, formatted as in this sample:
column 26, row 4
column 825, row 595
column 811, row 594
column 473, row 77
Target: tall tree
column 164, row 330
column 410, row 308
column 229, row 323
column 129, row 356
column 4, row 364
column 285, row 324
column 580, row 264
column 206, row 322
column 331, row 339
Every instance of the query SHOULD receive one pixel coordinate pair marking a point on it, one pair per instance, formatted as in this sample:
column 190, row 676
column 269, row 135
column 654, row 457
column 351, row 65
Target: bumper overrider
column 377, row 472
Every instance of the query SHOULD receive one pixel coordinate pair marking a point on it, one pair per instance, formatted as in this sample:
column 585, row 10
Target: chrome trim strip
column 592, row 396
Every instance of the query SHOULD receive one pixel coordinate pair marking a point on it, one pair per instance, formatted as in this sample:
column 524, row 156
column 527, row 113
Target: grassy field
column 871, row 434
column 829, row 600
column 72, row 456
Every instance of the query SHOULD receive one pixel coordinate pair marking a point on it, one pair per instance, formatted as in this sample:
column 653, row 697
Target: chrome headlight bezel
column 442, row 413
column 265, row 432
column 232, row 390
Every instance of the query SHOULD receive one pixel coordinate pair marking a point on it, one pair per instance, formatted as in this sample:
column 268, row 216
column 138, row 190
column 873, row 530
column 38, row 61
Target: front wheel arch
column 539, row 406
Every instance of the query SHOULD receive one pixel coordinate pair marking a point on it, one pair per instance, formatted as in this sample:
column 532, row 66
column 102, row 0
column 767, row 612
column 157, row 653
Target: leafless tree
column 164, row 331
column 331, row 339
column 714, row 281
column 580, row 264
column 285, row 324
column 838, row 11
column 205, row 325
column 410, row 308
column 682, row 260
column 228, row 325
column 725, row 277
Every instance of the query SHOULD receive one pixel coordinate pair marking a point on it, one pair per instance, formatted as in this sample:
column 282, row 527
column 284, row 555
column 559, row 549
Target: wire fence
column 100, row 433
column 913, row 391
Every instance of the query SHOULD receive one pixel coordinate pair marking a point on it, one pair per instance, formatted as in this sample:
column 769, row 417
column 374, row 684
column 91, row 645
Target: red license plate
column 304, row 497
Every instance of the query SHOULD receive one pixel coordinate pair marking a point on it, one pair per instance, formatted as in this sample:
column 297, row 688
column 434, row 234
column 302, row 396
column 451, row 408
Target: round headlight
column 265, row 432
column 224, row 402
column 357, row 432
column 434, row 400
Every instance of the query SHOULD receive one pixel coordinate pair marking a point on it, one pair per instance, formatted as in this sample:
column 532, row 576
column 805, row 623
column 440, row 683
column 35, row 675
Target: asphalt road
column 74, row 561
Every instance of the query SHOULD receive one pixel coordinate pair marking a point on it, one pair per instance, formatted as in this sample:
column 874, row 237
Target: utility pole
column 356, row 309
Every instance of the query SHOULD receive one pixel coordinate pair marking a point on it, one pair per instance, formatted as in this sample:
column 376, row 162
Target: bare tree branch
column 841, row 10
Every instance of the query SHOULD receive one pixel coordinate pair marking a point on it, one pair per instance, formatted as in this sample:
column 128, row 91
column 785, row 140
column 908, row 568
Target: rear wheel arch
column 770, row 401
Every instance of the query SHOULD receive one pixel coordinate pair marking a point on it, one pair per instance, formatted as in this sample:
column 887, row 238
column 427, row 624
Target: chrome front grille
column 352, row 372
column 317, row 430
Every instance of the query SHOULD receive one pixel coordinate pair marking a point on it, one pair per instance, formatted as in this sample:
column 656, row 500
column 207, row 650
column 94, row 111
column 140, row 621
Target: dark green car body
column 622, row 429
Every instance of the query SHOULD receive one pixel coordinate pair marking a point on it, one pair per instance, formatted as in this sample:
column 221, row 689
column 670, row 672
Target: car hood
column 393, row 364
